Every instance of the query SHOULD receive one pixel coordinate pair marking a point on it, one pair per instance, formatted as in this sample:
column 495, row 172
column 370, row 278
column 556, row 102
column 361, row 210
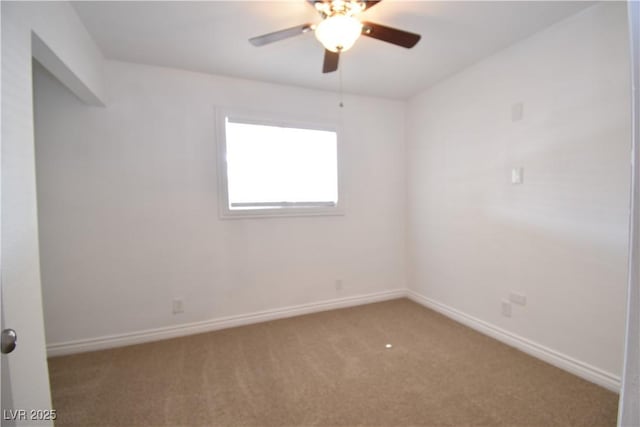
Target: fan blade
column 390, row 35
column 280, row 35
column 330, row 61
column 370, row 3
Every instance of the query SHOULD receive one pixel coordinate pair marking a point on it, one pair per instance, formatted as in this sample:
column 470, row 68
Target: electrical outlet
column 517, row 112
column 339, row 285
column 506, row 308
column 178, row 306
column 517, row 298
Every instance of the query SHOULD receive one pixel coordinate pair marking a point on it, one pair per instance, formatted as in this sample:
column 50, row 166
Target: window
column 277, row 167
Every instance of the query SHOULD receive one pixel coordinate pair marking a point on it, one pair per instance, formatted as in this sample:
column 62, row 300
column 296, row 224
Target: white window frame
column 270, row 119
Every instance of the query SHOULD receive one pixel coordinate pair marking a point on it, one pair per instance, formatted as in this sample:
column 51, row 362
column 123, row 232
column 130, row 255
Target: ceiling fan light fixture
column 340, row 28
column 338, row 32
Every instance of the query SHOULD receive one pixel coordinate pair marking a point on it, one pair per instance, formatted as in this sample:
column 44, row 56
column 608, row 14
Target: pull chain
column 341, row 104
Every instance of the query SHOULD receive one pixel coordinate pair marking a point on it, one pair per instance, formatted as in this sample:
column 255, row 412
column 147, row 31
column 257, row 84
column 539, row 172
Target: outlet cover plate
column 506, row 308
column 178, row 306
column 517, row 176
column 517, row 298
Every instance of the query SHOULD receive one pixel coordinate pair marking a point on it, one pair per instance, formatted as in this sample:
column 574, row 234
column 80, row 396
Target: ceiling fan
column 340, row 28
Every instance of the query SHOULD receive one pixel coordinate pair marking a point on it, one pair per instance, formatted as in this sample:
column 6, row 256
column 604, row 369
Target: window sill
column 280, row 213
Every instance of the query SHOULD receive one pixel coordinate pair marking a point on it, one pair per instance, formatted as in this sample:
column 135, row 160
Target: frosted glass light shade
column 339, row 32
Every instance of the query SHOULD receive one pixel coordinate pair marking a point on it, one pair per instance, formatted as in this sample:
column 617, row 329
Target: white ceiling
column 212, row 37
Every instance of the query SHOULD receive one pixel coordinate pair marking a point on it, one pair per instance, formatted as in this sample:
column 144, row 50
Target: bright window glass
column 280, row 167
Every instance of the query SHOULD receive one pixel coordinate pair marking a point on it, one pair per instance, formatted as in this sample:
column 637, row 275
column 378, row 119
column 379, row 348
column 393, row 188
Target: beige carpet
column 326, row 369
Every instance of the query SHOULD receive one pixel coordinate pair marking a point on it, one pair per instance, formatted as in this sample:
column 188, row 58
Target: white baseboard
column 119, row 340
column 562, row 361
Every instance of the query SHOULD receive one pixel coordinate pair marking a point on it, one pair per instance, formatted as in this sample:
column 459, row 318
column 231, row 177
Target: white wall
column 68, row 45
column 561, row 237
column 128, row 206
